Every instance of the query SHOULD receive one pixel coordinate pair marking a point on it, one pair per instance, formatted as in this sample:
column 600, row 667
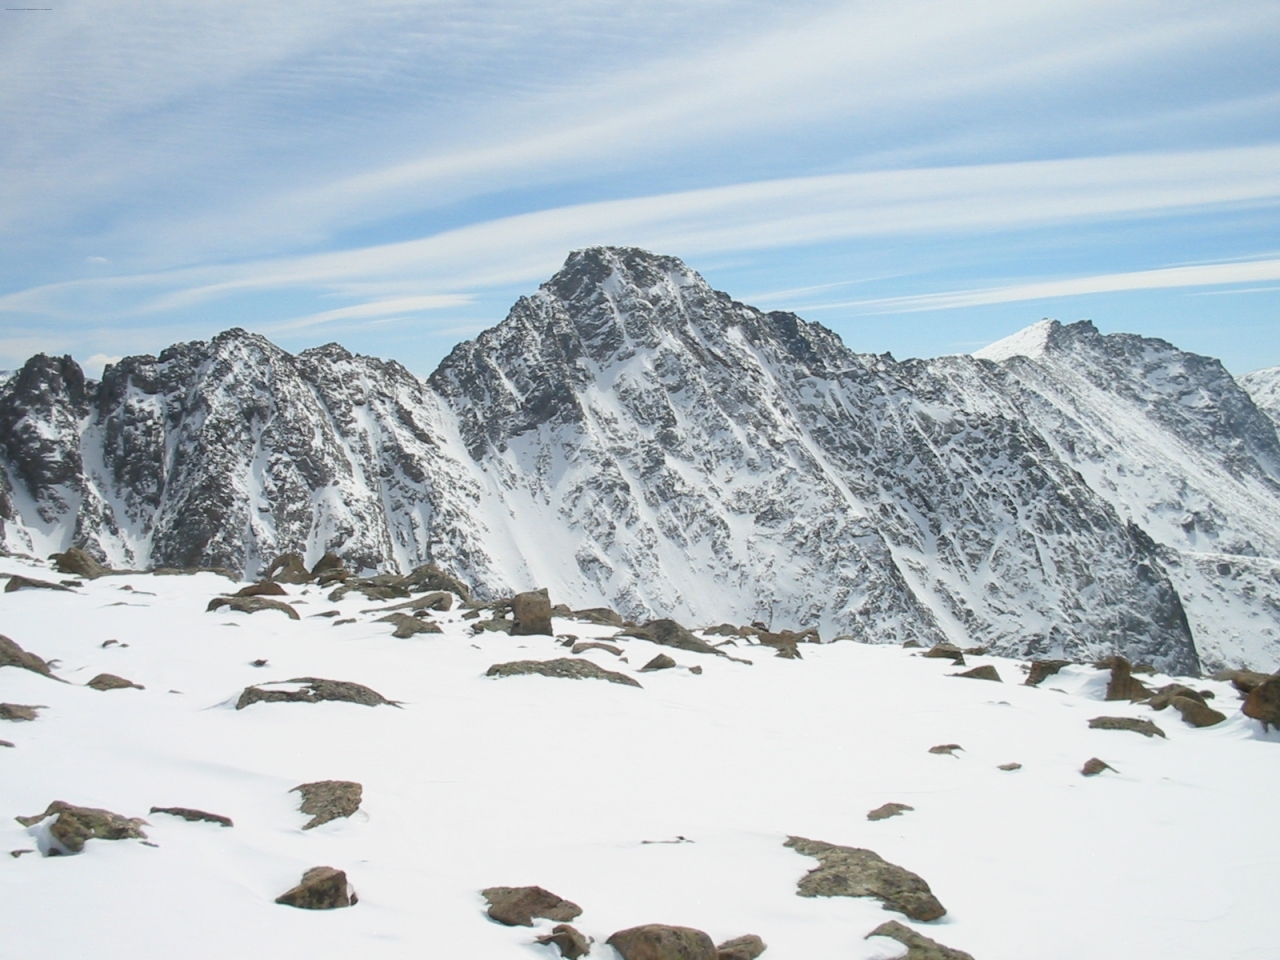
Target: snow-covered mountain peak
column 1028, row 342
column 1264, row 387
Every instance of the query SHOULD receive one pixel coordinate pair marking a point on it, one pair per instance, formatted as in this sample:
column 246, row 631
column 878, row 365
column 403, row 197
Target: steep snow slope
column 1264, row 387
column 582, row 787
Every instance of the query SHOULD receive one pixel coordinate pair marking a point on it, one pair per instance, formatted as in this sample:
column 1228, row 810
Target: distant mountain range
column 629, row 436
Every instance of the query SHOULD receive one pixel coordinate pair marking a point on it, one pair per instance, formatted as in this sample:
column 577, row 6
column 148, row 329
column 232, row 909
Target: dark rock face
column 75, row 825
column 571, row 942
column 1060, row 505
column 313, row 690
column 327, row 800
column 1144, row 727
column 565, row 668
column 517, row 906
column 854, row 872
column 193, row 815
column 322, row 888
column 655, row 941
column 919, row 947
column 1263, row 703
column 1044, row 668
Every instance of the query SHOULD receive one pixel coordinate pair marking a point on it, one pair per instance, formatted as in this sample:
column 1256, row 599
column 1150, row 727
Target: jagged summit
column 629, row 436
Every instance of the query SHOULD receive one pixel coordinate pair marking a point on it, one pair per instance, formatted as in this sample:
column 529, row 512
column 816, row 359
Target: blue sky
column 922, row 177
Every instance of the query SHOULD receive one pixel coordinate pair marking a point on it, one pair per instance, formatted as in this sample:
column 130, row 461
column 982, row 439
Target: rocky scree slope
column 628, row 436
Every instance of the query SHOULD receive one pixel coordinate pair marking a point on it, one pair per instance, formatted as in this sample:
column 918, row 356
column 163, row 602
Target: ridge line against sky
column 395, row 179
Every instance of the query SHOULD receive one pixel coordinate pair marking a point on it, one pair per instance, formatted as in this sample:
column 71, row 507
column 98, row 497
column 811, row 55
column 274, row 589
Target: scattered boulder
column 437, row 600
column 656, row 941
column 109, row 681
column 660, row 662
column 12, row 655
column 407, row 626
column 1122, row 685
column 517, row 906
column 723, row 630
column 329, row 569
column 785, row 641
column 252, row 604
column 193, row 815
column 854, row 872
column 984, row 672
column 17, row 583
column 919, row 947
column 596, row 645
column 19, row 711
column 74, row 825
column 564, row 667
column 79, row 564
column 571, row 942
column 946, row 651
column 532, row 613
column 599, row 615
column 381, row 587
column 1163, row 697
column 322, row 888
column 1263, row 703
column 496, row 625
column 1039, row 669
column 327, row 800
column 948, row 748
column 888, row 810
column 288, row 568
column 1093, row 766
column 1243, row 680
column 263, row 588
column 431, row 577
column 1144, row 727
column 1009, row 766
column 741, row 948
column 1196, row 712
column 668, row 633
column 314, row 690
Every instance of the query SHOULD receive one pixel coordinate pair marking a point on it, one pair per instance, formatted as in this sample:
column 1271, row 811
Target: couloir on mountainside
column 629, row 436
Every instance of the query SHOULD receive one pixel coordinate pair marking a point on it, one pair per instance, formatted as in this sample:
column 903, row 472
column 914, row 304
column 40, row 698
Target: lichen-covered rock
column 855, row 872
column 518, row 906
column 564, row 667
column 1263, row 703
column 532, row 614
column 1144, row 727
column 12, row 655
column 746, row 947
column 252, row 604
column 109, row 681
column 322, row 888
column 193, row 815
column 570, row 941
column 311, row 690
column 326, row 800
column 919, row 947
column 79, row 564
column 75, row 825
column 656, row 941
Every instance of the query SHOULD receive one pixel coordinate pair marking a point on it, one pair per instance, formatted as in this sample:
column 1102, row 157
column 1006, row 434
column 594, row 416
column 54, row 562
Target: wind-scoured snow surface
column 629, row 436
column 582, row 787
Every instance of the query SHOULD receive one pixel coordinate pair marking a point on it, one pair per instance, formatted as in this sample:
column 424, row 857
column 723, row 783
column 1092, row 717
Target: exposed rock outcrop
column 532, row 613
column 1144, row 727
column 311, row 690
column 12, row 655
column 855, row 872
column 321, row 888
column 76, row 825
column 326, row 800
column 518, row 906
column 919, row 947
column 193, row 815
column 565, row 668
column 656, row 941
column 570, row 941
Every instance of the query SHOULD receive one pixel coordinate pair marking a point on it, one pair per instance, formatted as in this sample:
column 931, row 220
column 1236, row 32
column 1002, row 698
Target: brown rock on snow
column 407, row 626
column 595, row 645
column 660, row 662
column 599, row 615
column 75, row 825
column 1039, row 669
column 1093, row 766
column 19, row 711
column 741, row 948
column 1263, row 703
column 656, row 941
column 252, row 604
column 431, row 577
column 919, row 947
column 564, row 668
column 436, row 600
column 193, row 815
column 17, row 583
column 326, row 800
column 571, row 942
column 329, row 569
column 854, row 872
column 314, row 690
column 1123, row 685
column 1196, row 712
column 1144, row 727
column 12, row 655
column 517, row 906
column 109, row 681
column 1242, row 680
column 885, row 811
column 531, row 611
column 945, row 651
column 263, row 588
column 79, row 564
column 1009, row 767
column 288, row 568
column 322, row 888
column 984, row 672
column 948, row 748
column 668, row 633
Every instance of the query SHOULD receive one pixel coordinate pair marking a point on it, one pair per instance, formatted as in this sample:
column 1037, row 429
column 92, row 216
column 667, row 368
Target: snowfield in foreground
column 668, row 803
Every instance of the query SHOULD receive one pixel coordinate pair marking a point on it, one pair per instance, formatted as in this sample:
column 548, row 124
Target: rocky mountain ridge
column 629, row 436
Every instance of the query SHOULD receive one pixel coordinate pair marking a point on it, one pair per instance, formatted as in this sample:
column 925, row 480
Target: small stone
column 1009, row 766
column 594, row 645
column 854, row 872
column 888, row 810
column 919, row 947
column 109, row 681
column 258, row 663
column 193, row 815
column 1263, row 703
column 1039, row 669
column 1144, row 727
column 747, row 947
column 695, row 669
column 564, row 668
column 326, row 800
column 322, row 888
column 1094, row 766
column 17, row 853
column 6, row 743
column 656, row 941
column 252, row 605
column 74, row 825
column 531, row 611
column 314, row 690
column 660, row 662
column 338, row 623
column 19, row 711
column 572, row 943
column 517, row 906
column 984, row 672
column 948, row 748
